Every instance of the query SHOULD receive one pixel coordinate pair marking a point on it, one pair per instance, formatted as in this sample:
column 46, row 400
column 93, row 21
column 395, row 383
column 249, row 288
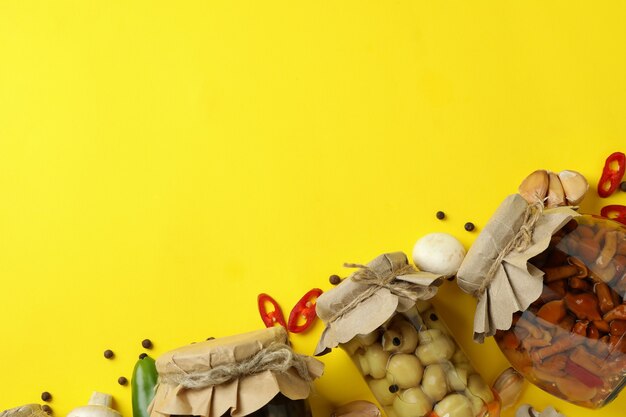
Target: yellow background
column 163, row 162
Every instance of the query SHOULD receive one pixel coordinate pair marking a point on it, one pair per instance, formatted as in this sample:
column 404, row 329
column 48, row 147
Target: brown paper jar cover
column 240, row 396
column 405, row 285
column 514, row 283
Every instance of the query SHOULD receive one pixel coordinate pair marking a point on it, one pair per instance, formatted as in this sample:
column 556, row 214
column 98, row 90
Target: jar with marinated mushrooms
column 550, row 285
column 380, row 315
column 570, row 341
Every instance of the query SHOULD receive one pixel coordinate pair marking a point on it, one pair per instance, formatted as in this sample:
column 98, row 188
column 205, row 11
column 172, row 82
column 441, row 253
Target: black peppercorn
column 334, row 279
column 143, row 355
column 146, row 343
column 46, row 396
column 108, row 354
column 440, row 215
column 433, row 317
column 622, row 186
column 122, row 380
column 396, row 341
column 469, row 226
column 393, row 388
column 46, row 409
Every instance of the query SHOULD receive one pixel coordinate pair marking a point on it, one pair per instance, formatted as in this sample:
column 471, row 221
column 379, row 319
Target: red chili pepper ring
column 610, row 179
column 304, row 310
column 614, row 212
column 273, row 317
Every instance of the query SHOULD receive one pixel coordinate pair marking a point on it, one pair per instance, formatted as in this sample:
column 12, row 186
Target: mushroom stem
column 99, row 398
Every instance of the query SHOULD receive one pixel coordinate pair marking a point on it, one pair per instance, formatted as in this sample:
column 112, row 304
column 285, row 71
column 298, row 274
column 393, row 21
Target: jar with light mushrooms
column 382, row 318
column 570, row 341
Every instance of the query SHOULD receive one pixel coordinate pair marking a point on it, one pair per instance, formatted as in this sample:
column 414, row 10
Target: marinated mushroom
column 454, row 405
column 380, row 389
column 477, row 386
column 411, row 403
column 400, row 336
column 374, row 361
column 434, row 382
column 404, row 370
column 434, row 347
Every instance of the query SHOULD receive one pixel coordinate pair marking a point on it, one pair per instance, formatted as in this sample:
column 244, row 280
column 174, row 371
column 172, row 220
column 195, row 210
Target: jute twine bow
column 277, row 357
column 520, row 243
column 376, row 281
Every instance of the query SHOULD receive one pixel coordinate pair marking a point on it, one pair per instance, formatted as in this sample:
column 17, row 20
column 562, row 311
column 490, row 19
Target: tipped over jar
column 550, row 285
column 570, row 341
column 408, row 357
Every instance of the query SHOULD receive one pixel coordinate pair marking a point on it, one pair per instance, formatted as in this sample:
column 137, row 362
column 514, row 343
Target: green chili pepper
column 143, row 383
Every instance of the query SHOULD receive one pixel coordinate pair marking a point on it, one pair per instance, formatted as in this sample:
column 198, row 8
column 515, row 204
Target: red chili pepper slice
column 614, row 212
column 304, row 309
column 583, row 375
column 273, row 317
column 610, row 179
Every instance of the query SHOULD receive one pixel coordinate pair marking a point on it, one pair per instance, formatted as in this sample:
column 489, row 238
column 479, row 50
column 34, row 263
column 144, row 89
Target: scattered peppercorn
column 46, row 409
column 622, row 186
column 146, row 343
column 108, row 354
column 440, row 215
column 122, row 380
column 469, row 226
column 334, row 279
column 433, row 317
column 396, row 341
column 143, row 355
column 393, row 388
column 46, row 396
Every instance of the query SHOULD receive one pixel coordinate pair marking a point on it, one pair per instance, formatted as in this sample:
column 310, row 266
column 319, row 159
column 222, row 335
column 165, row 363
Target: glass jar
column 570, row 341
column 281, row 406
column 414, row 367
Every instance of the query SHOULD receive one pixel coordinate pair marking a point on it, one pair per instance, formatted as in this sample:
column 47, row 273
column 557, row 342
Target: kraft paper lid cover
column 496, row 268
column 28, row 410
column 370, row 296
column 256, row 366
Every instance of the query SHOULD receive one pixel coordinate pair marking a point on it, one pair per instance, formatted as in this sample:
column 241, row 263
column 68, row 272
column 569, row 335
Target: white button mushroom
column 404, row 370
column 412, row 403
column 98, row 406
column 454, row 405
column 434, row 382
column 439, row 253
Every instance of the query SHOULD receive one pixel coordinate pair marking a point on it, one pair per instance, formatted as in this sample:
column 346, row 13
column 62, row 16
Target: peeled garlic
column 357, row 409
column 509, row 387
column 575, row 186
column 439, row 253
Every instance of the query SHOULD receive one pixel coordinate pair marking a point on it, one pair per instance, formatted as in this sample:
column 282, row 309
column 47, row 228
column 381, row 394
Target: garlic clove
column 556, row 195
column 509, row 386
column 535, row 186
column 357, row 409
column 575, row 186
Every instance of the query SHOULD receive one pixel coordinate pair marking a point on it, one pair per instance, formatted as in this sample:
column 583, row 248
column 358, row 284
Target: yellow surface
column 163, row 162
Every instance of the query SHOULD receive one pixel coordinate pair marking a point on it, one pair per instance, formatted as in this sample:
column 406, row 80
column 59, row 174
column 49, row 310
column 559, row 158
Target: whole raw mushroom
column 439, row 253
column 99, row 405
